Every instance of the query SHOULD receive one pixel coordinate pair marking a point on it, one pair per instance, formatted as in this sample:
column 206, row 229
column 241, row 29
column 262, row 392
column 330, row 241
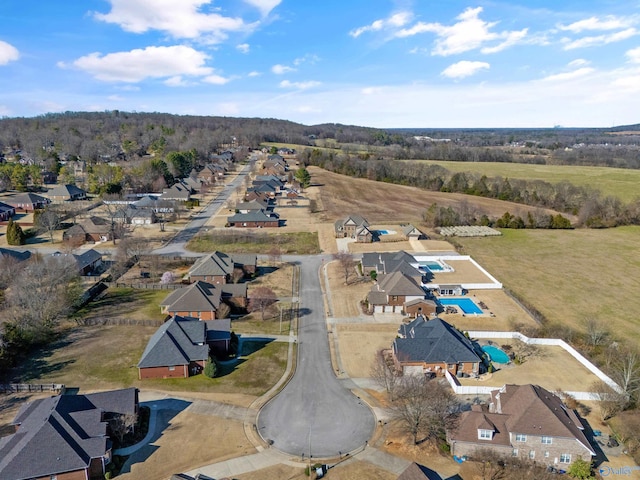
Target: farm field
column 569, row 275
column 619, row 182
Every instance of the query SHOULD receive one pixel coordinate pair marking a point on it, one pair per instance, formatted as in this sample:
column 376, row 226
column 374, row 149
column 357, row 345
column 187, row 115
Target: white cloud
column 464, row 68
column 308, row 58
column 265, row 6
column 299, row 85
column 8, row 53
column 396, row 20
column 609, row 22
column 371, row 90
column 176, row 81
column 139, row 64
column 469, row 33
column 178, row 18
column 228, row 109
column 243, row 48
column 633, row 55
column 216, row 79
column 279, row 69
column 561, row 77
column 254, row 74
column 599, row 40
column 578, row 62
column 629, row 84
column 115, row 98
column 128, row 88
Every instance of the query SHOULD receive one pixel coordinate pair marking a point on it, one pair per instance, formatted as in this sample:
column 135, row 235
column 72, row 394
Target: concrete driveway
column 315, row 414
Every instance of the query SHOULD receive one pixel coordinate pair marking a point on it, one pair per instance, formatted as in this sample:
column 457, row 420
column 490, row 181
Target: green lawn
column 618, row 182
column 569, row 275
column 300, row 243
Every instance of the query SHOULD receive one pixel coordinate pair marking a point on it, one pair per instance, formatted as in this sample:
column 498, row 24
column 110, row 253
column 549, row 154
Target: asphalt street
column 315, row 414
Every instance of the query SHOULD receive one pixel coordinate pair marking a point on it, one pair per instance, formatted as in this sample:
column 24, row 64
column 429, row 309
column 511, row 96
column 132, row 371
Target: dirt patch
column 345, row 299
column 349, row 470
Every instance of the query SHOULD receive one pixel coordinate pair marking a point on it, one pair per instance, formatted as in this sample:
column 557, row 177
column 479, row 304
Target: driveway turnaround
column 315, row 415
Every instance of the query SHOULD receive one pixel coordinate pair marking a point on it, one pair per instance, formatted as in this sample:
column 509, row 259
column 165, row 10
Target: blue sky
column 378, row 63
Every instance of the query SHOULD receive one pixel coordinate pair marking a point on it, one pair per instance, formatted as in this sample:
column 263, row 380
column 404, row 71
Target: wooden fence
column 148, row 286
column 31, row 387
column 122, row 321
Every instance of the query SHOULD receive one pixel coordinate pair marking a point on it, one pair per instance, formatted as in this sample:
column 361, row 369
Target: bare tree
column 275, row 254
column 131, row 249
column 426, row 408
column 261, row 299
column 383, row 372
column 347, row 264
column 610, row 402
column 122, row 424
column 597, row 331
column 48, row 221
column 223, row 310
column 626, row 370
column 10, row 268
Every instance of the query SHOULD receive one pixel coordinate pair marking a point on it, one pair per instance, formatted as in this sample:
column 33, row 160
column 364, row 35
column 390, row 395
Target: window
column 394, row 298
column 546, row 454
column 532, row 454
column 565, row 458
column 172, row 368
column 514, row 452
column 485, row 434
column 521, row 437
column 547, row 440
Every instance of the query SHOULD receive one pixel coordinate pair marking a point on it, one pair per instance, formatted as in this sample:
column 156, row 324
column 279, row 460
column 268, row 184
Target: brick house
column 6, row 212
column 66, row 193
column 202, row 300
column 27, row 202
column 349, row 227
column 65, row 437
column 392, row 291
column 433, row 347
column 254, row 219
column 526, row 421
column 93, row 229
column 420, row 306
column 219, row 268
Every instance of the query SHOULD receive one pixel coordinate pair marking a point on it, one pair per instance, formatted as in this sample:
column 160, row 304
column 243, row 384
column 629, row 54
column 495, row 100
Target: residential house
column 448, row 290
column 203, row 300
column 219, row 268
column 389, row 262
column 354, row 226
column 177, row 192
column 418, row 472
column 410, row 232
column 269, row 189
column 133, row 215
column 178, row 349
column 292, row 198
column 93, row 229
column 433, row 347
column 420, row 306
column 64, row 437
column 526, row 421
column 6, row 212
column 260, row 196
column 254, row 219
column 27, row 202
column 252, row 206
column 392, row 291
column 66, row 193
column 153, row 203
column 14, row 255
column 89, row 261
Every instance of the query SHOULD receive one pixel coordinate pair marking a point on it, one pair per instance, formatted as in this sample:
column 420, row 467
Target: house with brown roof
column 219, row 268
column 392, row 291
column 93, row 229
column 431, row 347
column 202, row 300
column 526, row 421
column 65, row 436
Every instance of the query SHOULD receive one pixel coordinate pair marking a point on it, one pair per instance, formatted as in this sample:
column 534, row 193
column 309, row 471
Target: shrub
column 15, row 235
column 211, row 368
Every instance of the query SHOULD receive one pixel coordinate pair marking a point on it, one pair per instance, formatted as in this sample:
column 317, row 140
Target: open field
column 256, row 240
column 618, row 182
column 569, row 275
column 345, row 299
column 359, row 344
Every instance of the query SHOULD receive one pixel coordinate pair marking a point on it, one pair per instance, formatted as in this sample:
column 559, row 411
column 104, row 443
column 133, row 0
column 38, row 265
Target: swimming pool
column 495, row 354
column 467, row 305
column 433, row 266
column 383, row 232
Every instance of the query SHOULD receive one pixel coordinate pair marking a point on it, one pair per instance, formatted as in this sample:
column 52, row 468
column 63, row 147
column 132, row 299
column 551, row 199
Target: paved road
column 176, row 246
column 315, row 414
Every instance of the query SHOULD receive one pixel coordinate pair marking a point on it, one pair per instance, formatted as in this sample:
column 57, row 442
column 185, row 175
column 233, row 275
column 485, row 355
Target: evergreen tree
column 303, row 177
column 15, row 235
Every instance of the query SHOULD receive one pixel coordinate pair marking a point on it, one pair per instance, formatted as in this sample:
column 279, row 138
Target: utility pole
column 280, row 307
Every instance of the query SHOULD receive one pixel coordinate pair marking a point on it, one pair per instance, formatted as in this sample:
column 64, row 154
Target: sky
column 374, row 63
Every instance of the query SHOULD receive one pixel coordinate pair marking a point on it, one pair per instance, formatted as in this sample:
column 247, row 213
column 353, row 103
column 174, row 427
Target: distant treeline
column 587, row 204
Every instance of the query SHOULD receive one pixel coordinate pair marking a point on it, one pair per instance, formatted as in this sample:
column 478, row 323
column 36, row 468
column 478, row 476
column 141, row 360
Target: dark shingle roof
column 15, row 254
column 60, row 434
column 178, row 341
column 66, row 191
column 433, row 341
column 217, row 263
column 253, row 216
column 199, row 296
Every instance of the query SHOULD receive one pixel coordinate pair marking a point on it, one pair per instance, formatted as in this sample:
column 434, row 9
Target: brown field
column 358, row 344
column 350, row 470
column 345, row 299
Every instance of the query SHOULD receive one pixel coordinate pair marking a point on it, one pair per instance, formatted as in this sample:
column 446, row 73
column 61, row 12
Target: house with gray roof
column 410, row 232
column 66, row 193
column 525, row 421
column 389, row 262
column 349, row 226
column 14, row 255
column 6, row 212
column 203, row 300
column 181, row 347
column 64, row 436
column 27, row 202
column 220, row 268
column 433, row 347
column 177, row 192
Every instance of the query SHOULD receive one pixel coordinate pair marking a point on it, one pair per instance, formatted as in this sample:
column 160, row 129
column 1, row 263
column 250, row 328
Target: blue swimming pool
column 495, row 354
column 432, row 266
column 467, row 305
column 383, row 232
